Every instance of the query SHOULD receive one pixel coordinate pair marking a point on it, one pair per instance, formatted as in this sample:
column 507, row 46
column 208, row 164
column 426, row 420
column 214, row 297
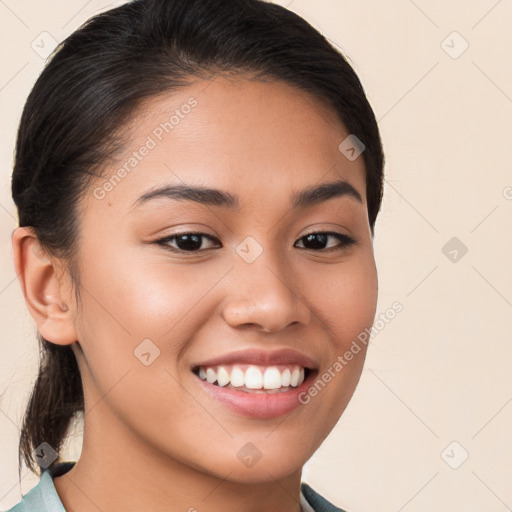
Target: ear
column 44, row 289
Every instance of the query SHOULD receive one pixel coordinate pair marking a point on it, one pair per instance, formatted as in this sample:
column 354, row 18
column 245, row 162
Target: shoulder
column 317, row 502
column 33, row 500
column 43, row 497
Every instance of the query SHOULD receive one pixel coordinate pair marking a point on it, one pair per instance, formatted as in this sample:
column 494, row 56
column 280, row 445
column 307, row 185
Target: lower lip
column 258, row 405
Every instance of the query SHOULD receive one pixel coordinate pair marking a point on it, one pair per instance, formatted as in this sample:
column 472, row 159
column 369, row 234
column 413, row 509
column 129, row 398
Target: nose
column 263, row 297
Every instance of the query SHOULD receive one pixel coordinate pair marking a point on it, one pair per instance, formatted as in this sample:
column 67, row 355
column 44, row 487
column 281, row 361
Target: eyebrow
column 214, row 197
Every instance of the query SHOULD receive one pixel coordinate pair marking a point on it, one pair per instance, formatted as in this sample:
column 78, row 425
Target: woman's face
column 253, row 293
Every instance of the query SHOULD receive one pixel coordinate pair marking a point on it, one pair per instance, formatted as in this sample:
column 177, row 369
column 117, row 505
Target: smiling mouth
column 250, row 378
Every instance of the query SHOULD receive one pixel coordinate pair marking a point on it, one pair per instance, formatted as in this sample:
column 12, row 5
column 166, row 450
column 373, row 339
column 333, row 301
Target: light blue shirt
column 44, row 498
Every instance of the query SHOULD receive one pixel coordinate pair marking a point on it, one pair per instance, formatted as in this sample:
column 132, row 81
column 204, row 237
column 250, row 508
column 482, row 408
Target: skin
column 153, row 439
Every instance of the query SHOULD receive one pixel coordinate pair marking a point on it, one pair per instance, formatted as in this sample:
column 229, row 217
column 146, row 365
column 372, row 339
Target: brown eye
column 318, row 241
column 185, row 242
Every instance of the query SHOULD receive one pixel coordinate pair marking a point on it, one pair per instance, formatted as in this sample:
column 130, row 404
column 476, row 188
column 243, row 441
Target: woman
column 197, row 187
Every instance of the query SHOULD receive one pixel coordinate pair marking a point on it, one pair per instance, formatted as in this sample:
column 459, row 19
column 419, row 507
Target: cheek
column 135, row 301
column 131, row 310
column 147, row 298
column 344, row 298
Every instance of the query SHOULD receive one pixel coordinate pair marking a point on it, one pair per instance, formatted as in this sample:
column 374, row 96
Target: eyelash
column 345, row 240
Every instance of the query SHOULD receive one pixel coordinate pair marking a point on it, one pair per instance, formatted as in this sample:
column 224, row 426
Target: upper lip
column 262, row 357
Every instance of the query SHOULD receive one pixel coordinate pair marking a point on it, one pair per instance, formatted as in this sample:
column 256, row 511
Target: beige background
column 440, row 371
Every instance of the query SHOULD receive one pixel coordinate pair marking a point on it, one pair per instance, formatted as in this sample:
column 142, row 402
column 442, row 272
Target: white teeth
column 294, row 381
column 237, row 377
column 211, row 376
column 286, row 377
column 272, row 378
column 254, row 378
column 222, row 376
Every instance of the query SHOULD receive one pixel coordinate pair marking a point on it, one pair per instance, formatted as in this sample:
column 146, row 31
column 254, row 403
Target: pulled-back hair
column 72, row 124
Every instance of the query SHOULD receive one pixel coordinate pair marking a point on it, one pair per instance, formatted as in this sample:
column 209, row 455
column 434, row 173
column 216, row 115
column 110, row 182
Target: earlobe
column 45, row 294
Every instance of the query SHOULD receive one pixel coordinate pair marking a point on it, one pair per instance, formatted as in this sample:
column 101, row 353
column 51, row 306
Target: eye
column 318, row 241
column 186, row 242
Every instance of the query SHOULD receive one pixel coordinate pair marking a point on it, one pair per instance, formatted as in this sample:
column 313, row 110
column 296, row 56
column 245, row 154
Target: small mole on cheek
column 109, row 203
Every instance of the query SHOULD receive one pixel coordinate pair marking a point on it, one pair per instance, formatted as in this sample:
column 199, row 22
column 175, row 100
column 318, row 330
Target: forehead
column 258, row 140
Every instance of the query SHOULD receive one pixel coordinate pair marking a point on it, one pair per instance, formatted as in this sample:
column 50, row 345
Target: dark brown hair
column 90, row 88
